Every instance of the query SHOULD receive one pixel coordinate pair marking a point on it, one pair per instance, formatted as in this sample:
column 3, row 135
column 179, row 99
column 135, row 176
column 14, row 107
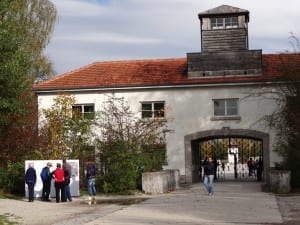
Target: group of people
column 255, row 168
column 62, row 179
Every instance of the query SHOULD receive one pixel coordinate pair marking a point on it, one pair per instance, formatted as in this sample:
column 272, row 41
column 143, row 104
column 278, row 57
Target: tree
column 25, row 27
column 286, row 118
column 65, row 133
column 31, row 22
column 127, row 146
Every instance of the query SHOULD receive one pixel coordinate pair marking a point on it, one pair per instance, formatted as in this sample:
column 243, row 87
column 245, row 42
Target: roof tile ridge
column 59, row 76
column 140, row 60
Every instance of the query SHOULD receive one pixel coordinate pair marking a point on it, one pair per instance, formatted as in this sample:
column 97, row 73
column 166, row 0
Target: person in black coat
column 209, row 173
column 30, row 180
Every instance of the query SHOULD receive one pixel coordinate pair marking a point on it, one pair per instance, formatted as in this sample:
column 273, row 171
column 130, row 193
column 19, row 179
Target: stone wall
column 279, row 181
column 161, row 181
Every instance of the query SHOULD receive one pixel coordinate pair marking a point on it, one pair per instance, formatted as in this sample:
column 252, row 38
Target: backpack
column 44, row 174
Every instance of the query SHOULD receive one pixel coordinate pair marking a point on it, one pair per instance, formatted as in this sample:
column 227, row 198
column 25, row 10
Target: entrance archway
column 192, row 160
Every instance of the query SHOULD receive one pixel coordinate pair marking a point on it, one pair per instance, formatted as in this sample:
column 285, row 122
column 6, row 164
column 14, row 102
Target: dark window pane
column 219, row 107
column 146, row 114
column 146, row 106
column 88, row 108
column 232, row 107
column 76, row 108
column 159, row 108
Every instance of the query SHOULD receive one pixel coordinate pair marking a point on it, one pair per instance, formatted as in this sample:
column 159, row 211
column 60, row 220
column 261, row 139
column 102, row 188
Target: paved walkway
column 232, row 203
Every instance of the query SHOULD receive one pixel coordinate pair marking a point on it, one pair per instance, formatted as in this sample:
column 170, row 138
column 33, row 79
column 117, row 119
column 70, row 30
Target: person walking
column 30, row 180
column 209, row 171
column 251, row 167
column 91, row 177
column 68, row 174
column 259, row 169
column 46, row 179
column 59, row 183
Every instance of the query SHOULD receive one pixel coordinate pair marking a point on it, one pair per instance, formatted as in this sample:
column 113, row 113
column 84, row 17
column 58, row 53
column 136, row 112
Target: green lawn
column 4, row 220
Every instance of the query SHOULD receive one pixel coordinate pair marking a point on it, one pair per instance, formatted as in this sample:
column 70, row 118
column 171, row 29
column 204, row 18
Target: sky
column 89, row 31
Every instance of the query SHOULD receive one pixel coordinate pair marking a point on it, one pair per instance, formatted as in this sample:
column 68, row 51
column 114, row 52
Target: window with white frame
column 217, row 23
column 224, row 23
column 153, row 109
column 231, row 22
column 226, row 107
column 87, row 111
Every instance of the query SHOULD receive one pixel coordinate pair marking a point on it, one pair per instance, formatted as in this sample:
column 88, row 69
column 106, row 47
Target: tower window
column 224, row 23
column 217, row 23
column 231, row 22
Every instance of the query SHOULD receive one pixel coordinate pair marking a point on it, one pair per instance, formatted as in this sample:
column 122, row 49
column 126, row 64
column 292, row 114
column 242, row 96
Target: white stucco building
column 205, row 96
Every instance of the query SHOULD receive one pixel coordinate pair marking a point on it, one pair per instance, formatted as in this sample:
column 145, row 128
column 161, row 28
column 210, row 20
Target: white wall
column 189, row 110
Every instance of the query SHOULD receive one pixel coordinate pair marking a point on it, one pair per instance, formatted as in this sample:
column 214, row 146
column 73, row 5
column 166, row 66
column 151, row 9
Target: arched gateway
column 231, row 140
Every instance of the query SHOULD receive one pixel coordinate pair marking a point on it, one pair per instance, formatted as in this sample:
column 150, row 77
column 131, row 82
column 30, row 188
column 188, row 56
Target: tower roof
column 223, row 10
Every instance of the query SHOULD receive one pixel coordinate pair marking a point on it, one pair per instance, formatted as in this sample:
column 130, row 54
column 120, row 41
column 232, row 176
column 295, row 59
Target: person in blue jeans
column 91, row 177
column 30, row 180
column 68, row 175
column 209, row 171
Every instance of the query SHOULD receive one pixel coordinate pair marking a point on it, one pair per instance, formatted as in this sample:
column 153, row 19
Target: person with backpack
column 30, row 180
column 46, row 179
column 91, row 177
column 68, row 174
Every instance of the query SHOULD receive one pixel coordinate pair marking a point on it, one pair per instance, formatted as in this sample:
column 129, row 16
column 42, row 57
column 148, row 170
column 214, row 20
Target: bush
column 124, row 167
column 12, row 178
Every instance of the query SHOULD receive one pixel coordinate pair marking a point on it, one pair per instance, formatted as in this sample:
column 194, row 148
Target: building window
column 231, row 22
column 226, row 107
column 224, row 23
column 153, row 109
column 217, row 23
column 87, row 111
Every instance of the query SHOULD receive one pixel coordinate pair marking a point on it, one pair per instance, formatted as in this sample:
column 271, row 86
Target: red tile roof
column 155, row 72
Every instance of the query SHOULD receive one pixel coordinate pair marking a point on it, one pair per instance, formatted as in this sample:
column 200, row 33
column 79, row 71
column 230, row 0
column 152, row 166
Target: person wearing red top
column 58, row 175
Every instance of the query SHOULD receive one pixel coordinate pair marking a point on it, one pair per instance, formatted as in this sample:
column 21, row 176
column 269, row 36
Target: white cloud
column 90, row 30
column 110, row 38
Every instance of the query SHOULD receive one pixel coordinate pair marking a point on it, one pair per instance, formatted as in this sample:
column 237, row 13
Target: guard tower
column 224, row 45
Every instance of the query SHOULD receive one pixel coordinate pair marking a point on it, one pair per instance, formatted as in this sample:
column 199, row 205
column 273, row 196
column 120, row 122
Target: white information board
column 40, row 164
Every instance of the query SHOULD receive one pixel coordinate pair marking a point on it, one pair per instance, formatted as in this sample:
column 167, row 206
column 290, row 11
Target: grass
column 4, row 194
column 4, row 220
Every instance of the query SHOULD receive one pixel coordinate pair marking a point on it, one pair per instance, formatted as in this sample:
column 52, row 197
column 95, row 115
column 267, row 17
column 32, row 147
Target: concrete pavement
column 233, row 203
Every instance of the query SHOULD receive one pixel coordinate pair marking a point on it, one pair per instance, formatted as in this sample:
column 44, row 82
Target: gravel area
column 289, row 206
column 48, row 213
column 79, row 212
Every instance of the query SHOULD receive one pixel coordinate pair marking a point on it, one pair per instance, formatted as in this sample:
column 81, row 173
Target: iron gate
column 235, row 158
